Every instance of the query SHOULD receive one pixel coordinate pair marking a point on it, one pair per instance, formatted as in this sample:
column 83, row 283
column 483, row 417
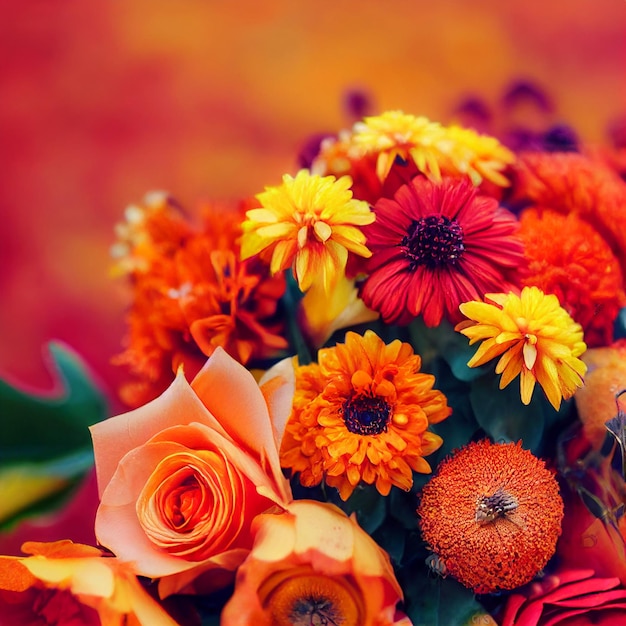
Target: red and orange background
column 101, row 101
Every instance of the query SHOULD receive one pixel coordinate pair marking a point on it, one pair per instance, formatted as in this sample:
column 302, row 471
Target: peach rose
column 70, row 583
column 182, row 477
column 314, row 565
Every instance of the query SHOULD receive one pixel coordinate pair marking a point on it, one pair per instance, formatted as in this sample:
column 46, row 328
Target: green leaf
column 370, row 507
column 502, row 415
column 45, row 445
column 443, row 341
column 434, row 601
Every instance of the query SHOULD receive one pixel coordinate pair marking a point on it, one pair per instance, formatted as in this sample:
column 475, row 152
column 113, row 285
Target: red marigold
column 573, row 183
column 492, row 515
column 567, row 257
column 436, row 245
column 191, row 294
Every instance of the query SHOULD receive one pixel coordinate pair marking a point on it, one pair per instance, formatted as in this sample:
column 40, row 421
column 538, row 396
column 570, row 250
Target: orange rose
column 70, row 583
column 314, row 565
column 182, row 477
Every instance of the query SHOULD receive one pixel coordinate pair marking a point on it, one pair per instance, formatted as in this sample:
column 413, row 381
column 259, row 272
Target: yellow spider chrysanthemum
column 308, row 223
column 436, row 150
column 362, row 414
column 536, row 338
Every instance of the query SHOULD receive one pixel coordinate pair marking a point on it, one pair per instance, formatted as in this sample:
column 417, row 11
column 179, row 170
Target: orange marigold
column 573, row 183
column 361, row 414
column 492, row 515
column 567, row 257
column 191, row 293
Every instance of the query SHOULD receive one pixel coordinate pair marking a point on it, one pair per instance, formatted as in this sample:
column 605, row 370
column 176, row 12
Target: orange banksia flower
column 533, row 336
column 362, row 414
column 191, row 294
column 567, row 257
column 308, row 223
column 435, row 246
column 492, row 514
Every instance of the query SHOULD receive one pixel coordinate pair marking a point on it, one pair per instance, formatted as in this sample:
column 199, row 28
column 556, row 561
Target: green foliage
column 436, row 601
column 45, row 445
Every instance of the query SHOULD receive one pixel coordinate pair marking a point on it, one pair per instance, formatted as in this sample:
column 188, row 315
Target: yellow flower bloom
column 536, row 338
column 308, row 223
column 69, row 583
column 362, row 414
column 481, row 157
column 397, row 134
column 436, row 150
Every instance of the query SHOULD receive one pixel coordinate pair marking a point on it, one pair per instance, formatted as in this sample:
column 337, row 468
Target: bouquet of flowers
column 384, row 391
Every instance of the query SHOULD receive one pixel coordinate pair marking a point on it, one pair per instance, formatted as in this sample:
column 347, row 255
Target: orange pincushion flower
column 568, row 258
column 191, row 295
column 572, row 183
column 362, row 414
column 492, row 515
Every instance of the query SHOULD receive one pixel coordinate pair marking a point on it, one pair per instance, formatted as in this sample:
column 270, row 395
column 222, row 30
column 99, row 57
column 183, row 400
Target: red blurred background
column 101, row 101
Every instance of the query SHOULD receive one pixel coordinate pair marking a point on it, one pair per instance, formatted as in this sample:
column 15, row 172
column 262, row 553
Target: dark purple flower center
column 434, row 241
column 364, row 415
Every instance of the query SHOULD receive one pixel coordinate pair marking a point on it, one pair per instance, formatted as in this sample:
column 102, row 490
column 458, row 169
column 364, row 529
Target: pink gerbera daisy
column 436, row 245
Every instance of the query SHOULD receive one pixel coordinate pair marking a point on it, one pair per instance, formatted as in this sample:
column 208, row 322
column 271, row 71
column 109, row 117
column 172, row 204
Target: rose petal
column 114, row 437
column 594, row 599
column 231, row 394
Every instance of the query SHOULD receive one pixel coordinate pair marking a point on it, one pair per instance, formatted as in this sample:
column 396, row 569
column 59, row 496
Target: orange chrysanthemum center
column 492, row 515
column 302, row 597
column 362, row 414
column 434, row 241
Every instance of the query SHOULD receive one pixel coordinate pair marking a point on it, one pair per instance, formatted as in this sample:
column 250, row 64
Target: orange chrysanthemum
column 492, row 515
column 533, row 336
column 191, row 294
column 568, row 258
column 573, row 183
column 361, row 414
column 309, row 223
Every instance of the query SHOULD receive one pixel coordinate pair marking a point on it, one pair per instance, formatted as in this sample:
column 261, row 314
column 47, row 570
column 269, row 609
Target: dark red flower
column 435, row 246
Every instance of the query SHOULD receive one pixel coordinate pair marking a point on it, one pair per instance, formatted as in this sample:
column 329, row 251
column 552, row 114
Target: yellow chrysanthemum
column 481, row 157
column 362, row 414
column 309, row 223
column 397, row 134
column 436, row 150
column 536, row 338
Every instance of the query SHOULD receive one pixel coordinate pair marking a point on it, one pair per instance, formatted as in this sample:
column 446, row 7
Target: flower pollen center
column 365, row 415
column 490, row 508
column 434, row 241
